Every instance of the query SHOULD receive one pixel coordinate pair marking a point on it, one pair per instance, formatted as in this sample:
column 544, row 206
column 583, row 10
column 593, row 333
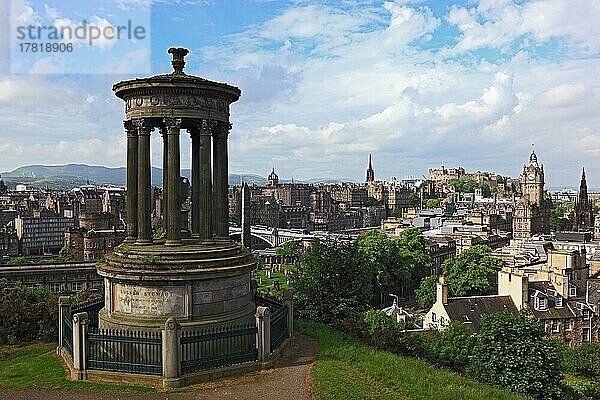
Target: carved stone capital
column 221, row 130
column 143, row 125
column 202, row 127
column 130, row 128
column 173, row 125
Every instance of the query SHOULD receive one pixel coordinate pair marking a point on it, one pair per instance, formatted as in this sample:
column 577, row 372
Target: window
column 568, row 325
column 54, row 287
column 585, row 334
column 572, row 291
column 465, row 318
column 555, row 326
column 586, row 314
column 558, row 300
column 433, row 317
column 76, row 286
column 541, row 303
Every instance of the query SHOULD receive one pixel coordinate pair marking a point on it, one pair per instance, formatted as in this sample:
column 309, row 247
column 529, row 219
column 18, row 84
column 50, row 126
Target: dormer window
column 541, row 303
column 586, row 314
column 465, row 318
column 558, row 300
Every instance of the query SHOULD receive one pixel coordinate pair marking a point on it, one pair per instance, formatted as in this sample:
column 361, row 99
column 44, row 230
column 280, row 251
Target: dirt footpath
column 290, row 379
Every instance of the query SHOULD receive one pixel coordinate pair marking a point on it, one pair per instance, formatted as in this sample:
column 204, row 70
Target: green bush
column 511, row 351
column 27, row 314
column 453, row 347
column 582, row 360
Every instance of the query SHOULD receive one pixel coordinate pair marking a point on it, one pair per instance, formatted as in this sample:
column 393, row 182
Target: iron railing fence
column 279, row 327
column 124, row 351
column 263, row 299
column 92, row 308
column 217, row 347
column 67, row 326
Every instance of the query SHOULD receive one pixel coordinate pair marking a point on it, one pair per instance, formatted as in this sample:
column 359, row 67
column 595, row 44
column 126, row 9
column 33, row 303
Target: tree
column 433, row 203
column 65, row 254
column 372, row 201
column 18, row 261
column 27, row 314
column 333, row 280
column 397, row 263
column 560, row 217
column 413, row 199
column 289, row 248
column 426, row 291
column 511, row 351
column 473, row 272
column 454, row 346
column 397, row 213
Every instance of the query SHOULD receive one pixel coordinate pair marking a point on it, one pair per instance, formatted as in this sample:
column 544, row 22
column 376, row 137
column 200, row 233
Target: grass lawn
column 346, row 369
column 36, row 365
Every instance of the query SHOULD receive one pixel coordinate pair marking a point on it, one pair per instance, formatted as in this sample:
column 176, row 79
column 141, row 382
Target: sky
column 415, row 83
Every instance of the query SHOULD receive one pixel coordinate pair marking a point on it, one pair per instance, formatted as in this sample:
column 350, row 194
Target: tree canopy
column 510, row 351
column 333, row 280
column 468, row 186
column 471, row 273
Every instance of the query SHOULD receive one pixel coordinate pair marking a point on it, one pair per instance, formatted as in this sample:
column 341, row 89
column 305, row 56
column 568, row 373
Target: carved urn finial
column 178, row 61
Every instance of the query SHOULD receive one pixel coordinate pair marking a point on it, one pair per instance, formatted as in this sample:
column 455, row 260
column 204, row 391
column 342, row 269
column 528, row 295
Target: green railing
column 124, row 351
column 67, row 325
column 217, row 347
column 92, row 308
column 279, row 327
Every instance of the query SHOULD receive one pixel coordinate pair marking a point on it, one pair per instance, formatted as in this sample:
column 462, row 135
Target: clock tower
column 532, row 180
column 532, row 210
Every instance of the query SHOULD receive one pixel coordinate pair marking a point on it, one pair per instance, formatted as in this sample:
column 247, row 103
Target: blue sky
column 415, row 83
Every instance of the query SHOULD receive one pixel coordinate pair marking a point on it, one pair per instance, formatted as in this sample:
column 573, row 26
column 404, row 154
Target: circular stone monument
column 198, row 275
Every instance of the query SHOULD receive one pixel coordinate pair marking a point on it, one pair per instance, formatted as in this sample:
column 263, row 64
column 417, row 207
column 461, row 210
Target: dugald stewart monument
column 200, row 277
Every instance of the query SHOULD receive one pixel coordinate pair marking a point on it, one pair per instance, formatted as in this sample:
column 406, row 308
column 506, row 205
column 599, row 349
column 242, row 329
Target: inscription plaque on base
column 150, row 301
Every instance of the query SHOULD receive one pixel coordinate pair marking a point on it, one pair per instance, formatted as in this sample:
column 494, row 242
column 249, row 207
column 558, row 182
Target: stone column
column 195, row 137
column 132, row 183
column 144, row 236
column 165, row 137
column 171, row 353
column 263, row 334
column 173, row 198
column 220, row 181
column 79, row 337
column 206, row 195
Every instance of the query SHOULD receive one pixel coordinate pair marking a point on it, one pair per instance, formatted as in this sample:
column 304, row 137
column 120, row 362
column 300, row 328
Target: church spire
column 583, row 185
column 370, row 172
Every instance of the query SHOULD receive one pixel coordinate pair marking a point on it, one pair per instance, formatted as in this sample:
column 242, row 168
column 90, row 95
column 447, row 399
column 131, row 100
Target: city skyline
column 323, row 85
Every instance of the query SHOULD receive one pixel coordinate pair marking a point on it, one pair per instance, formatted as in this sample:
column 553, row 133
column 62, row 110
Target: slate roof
column 470, row 310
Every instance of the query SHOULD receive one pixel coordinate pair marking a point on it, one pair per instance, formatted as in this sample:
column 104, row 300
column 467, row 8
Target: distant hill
column 71, row 175
column 61, row 176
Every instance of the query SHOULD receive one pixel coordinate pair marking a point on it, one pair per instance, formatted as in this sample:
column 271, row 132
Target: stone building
column 466, row 310
column 93, row 244
column 532, row 211
column 560, row 295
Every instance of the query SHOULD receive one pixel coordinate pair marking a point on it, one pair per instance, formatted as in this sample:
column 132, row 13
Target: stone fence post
column 64, row 310
column 263, row 335
column 171, row 353
column 80, row 325
column 288, row 299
